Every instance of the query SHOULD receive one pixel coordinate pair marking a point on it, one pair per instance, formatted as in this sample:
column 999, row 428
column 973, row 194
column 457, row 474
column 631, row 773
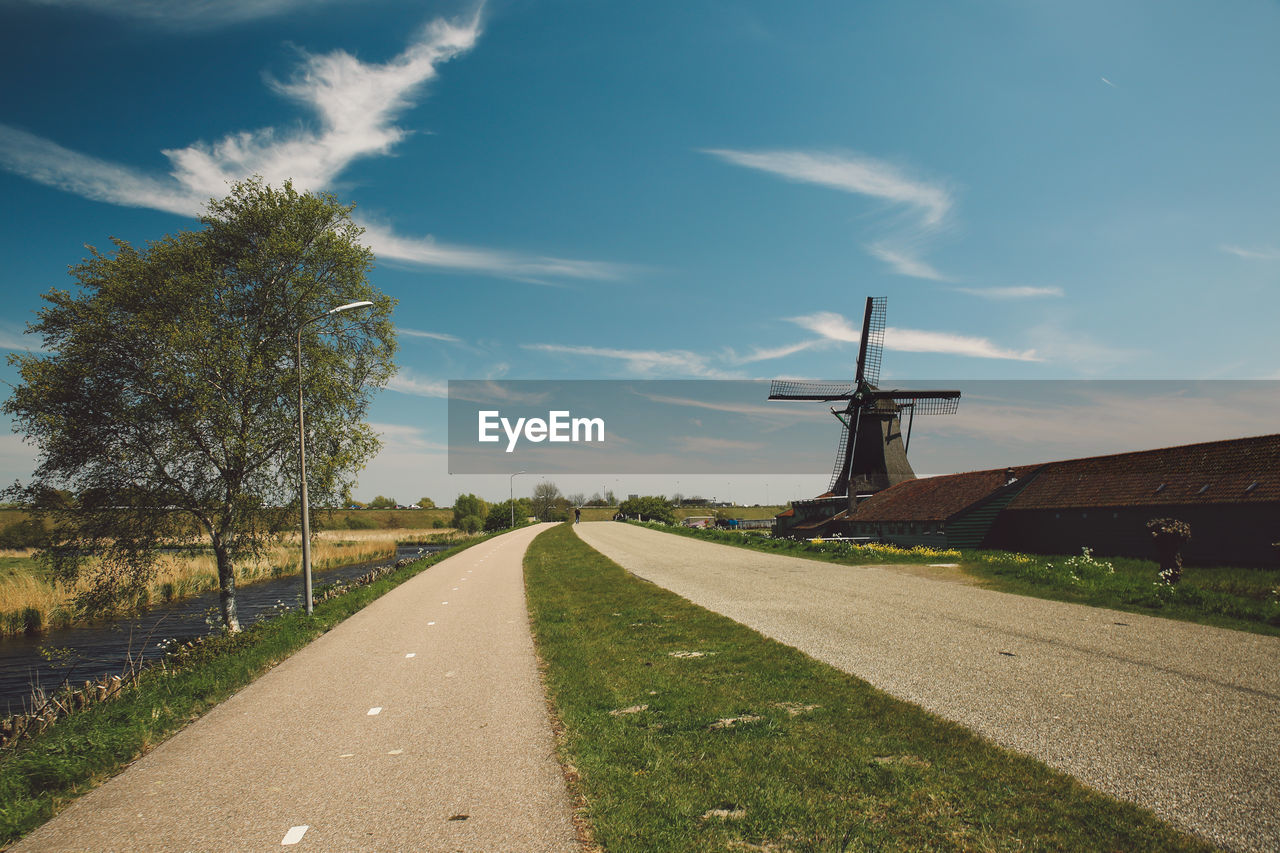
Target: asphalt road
column 1181, row 718
column 418, row 724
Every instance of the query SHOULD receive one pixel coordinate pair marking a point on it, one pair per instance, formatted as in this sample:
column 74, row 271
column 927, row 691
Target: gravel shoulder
column 1181, row 718
column 417, row 724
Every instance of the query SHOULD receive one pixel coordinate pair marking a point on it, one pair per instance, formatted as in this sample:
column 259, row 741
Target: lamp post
column 511, row 495
column 302, row 454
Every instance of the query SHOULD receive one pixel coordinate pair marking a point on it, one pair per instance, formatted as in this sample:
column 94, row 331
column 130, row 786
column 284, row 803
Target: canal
column 88, row 652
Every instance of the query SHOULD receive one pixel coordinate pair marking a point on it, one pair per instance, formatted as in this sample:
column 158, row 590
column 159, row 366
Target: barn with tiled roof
column 1228, row 491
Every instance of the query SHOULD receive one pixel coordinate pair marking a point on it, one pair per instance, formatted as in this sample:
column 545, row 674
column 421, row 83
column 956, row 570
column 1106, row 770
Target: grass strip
column 1241, row 598
column 41, row 776
column 751, row 745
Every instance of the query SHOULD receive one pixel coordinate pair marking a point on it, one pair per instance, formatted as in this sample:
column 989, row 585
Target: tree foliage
column 500, row 515
column 548, row 503
column 426, row 503
column 166, row 396
column 648, row 508
column 381, row 502
column 469, row 513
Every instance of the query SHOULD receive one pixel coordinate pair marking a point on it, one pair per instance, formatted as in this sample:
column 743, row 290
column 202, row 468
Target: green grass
column 1241, row 598
column 857, row 770
column 40, row 776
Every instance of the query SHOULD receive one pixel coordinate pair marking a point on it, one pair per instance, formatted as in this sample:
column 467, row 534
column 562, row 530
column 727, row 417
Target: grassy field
column 327, row 519
column 686, row 731
column 39, row 777
column 1227, row 596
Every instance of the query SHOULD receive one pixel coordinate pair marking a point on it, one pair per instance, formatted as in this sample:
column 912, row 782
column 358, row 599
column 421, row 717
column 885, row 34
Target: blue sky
column 590, row 190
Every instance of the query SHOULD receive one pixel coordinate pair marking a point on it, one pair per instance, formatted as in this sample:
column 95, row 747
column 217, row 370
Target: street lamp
column 511, row 495
column 302, row 454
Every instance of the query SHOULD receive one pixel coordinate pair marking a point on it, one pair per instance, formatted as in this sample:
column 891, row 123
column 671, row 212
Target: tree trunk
column 226, row 586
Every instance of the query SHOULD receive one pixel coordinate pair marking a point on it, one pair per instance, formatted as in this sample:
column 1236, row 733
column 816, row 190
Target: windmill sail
column 870, row 454
column 842, row 452
column 871, row 347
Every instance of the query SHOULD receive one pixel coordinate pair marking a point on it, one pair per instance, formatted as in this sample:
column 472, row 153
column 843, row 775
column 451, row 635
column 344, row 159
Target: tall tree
column 166, row 398
column 469, row 512
column 548, row 503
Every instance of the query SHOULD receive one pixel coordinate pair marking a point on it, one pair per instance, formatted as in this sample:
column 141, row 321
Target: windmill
column 871, row 454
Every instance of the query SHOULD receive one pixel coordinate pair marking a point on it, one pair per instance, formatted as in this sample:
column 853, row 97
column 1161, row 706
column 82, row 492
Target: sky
column 691, row 190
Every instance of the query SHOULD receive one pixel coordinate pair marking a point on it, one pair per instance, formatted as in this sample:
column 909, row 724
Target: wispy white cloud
column 644, row 362
column 435, row 336
column 1108, row 82
column 769, row 353
column 708, row 444
column 1079, row 349
column 830, row 325
column 765, row 411
column 1252, row 254
column 917, row 340
column 188, row 14
column 48, row 163
column 931, row 201
column 835, row 327
column 1023, row 292
column 19, row 341
column 406, row 382
column 853, row 173
column 401, row 437
column 430, row 252
column 355, row 102
column 355, row 106
column 904, row 262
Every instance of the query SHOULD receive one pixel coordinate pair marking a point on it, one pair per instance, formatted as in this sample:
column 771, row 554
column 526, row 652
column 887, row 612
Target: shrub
column 648, row 508
column 32, row 620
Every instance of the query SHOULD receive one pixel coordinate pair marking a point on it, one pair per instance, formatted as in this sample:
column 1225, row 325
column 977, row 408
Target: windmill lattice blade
column 873, row 343
column 786, row 389
column 837, row 472
column 924, row 402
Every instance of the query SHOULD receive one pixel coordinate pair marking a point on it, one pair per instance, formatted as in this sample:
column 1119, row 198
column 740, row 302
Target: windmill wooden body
column 872, row 452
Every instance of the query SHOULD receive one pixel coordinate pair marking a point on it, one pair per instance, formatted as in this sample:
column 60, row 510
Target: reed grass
column 30, row 602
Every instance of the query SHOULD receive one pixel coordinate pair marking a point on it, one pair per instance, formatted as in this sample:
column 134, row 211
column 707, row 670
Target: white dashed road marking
column 294, row 835
column 373, row 712
column 414, row 654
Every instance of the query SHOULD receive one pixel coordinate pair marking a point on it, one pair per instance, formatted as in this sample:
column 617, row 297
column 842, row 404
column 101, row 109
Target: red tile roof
column 1243, row 470
column 934, row 498
column 1170, row 475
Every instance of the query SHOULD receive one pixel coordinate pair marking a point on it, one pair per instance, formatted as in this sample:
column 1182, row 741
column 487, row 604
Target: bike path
column 417, row 724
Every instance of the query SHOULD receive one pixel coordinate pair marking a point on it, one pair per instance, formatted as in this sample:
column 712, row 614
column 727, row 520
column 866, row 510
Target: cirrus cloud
column 354, row 106
column 836, row 327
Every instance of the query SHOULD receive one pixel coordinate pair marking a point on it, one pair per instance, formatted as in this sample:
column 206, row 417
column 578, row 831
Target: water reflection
column 104, row 649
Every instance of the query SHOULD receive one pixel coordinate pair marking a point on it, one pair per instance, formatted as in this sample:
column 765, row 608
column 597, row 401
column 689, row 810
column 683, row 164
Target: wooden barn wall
column 1220, row 534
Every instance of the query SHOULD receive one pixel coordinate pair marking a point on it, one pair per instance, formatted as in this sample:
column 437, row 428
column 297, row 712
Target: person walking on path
column 577, row 515
column 417, row 724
